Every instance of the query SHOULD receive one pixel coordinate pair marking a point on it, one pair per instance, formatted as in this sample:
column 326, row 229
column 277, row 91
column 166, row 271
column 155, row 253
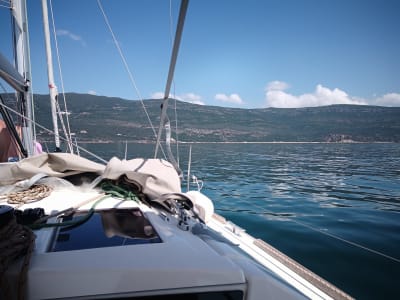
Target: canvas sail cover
column 153, row 177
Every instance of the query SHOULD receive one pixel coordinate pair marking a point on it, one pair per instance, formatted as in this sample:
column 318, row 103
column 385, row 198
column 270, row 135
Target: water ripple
column 346, row 190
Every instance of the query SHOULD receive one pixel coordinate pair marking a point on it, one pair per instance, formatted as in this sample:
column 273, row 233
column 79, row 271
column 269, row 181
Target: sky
column 244, row 54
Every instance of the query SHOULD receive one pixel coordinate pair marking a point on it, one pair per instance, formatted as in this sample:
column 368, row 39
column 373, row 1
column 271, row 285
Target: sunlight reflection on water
column 350, row 190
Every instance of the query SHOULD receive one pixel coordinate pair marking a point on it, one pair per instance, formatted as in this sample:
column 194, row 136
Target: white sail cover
column 153, row 177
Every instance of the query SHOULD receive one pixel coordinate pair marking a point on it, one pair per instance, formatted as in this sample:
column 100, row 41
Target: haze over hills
column 98, row 118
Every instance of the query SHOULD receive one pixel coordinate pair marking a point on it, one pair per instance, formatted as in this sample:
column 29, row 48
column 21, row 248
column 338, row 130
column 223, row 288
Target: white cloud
column 277, row 86
column 192, row 98
column 188, row 97
column 276, row 96
column 72, row 36
column 391, row 99
column 232, row 98
column 91, row 92
column 157, row 95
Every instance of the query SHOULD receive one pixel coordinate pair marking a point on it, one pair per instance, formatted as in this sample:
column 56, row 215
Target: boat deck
column 130, row 249
column 177, row 262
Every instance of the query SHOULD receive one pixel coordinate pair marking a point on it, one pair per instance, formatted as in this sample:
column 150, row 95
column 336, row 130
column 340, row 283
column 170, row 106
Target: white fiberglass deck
column 181, row 263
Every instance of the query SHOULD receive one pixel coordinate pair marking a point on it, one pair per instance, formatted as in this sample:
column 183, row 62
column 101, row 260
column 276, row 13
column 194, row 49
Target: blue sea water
column 335, row 208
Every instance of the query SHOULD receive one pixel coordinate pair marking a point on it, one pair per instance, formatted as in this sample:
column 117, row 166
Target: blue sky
column 248, row 54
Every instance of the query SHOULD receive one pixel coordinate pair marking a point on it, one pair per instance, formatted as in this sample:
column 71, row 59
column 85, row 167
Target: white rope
column 67, row 131
column 52, row 132
column 127, row 68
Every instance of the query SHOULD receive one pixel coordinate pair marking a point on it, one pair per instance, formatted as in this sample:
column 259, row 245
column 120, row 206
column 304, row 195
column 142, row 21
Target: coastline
column 216, row 142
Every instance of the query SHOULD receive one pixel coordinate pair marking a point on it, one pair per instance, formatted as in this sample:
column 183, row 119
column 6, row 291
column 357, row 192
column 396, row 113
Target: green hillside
column 98, row 118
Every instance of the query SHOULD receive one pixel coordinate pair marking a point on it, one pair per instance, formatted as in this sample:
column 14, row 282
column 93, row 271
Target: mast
column 52, row 87
column 23, row 66
column 175, row 50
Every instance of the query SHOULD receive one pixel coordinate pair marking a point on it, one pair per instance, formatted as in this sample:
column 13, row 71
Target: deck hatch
column 106, row 228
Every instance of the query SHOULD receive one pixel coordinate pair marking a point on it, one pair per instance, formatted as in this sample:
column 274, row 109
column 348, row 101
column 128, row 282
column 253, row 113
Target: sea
column 335, row 208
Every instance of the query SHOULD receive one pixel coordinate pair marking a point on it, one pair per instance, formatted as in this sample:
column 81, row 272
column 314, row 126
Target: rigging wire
column 346, row 241
column 15, row 80
column 67, row 131
column 7, row 4
column 67, row 134
column 116, row 43
column 26, row 106
column 28, row 76
column 172, row 65
column 176, row 129
column 261, row 211
column 51, row 132
column 14, row 136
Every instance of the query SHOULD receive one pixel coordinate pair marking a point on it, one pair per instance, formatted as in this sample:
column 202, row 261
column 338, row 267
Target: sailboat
column 72, row 228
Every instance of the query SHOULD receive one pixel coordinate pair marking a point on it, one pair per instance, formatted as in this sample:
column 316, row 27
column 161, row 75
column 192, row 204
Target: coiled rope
column 33, row 194
column 16, row 241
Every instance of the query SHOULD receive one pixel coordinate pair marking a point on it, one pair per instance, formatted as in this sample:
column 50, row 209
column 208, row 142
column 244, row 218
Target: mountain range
column 103, row 119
